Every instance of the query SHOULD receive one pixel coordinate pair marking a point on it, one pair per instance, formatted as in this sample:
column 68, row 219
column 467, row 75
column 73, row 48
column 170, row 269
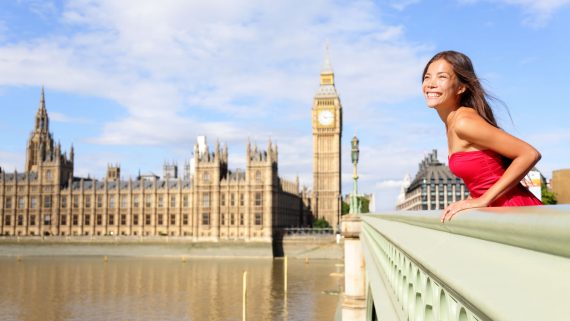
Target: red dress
column 483, row 168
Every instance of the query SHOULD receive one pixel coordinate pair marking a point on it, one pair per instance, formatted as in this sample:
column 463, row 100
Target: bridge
column 486, row 264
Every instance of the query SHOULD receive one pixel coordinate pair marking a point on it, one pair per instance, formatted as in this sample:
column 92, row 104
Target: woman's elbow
column 535, row 154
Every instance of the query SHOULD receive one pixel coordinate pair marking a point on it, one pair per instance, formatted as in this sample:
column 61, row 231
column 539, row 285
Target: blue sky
column 134, row 82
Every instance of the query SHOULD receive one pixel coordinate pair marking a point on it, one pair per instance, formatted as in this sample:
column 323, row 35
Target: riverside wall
column 293, row 247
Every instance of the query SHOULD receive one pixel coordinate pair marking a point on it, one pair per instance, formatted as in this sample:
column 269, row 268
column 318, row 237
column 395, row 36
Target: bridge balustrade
column 486, row 264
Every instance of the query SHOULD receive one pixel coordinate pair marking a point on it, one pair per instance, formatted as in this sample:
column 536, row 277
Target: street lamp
column 355, row 206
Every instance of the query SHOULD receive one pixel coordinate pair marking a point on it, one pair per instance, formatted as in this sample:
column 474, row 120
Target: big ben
column 327, row 134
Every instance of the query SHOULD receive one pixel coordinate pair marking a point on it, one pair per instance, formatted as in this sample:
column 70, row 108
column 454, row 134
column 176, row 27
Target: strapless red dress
column 480, row 170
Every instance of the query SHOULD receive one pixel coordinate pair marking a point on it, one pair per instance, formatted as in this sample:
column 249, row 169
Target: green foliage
column 345, row 208
column 321, row 223
column 548, row 197
column 364, row 204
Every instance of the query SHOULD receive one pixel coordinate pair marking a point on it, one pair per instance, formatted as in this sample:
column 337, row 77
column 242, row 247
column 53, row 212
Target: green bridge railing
column 486, row 264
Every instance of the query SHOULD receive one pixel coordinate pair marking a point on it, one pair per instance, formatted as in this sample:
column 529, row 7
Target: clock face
column 326, row 117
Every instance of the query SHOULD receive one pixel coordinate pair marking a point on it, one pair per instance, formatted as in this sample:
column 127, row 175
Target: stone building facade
column 433, row 188
column 212, row 204
column 560, row 185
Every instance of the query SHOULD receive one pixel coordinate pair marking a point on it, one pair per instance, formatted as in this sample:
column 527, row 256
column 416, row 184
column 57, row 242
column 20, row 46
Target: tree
column 345, row 208
column 321, row 223
column 364, row 207
column 548, row 197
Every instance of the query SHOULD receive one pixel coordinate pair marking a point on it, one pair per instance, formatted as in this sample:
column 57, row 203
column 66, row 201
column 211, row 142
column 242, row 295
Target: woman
column 477, row 146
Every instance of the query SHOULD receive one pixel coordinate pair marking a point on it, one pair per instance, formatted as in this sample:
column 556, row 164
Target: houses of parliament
column 212, row 204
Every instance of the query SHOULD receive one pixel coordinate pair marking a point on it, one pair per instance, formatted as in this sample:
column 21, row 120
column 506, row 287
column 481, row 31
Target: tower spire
column 327, row 73
column 327, row 68
column 42, row 121
column 42, row 101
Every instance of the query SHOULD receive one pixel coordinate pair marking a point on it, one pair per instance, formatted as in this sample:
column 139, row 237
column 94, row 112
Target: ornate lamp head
column 355, row 151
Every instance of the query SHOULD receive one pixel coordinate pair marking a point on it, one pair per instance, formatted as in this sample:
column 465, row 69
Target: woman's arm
column 476, row 131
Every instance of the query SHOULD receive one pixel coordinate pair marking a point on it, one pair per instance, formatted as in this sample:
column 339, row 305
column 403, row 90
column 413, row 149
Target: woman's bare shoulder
column 468, row 122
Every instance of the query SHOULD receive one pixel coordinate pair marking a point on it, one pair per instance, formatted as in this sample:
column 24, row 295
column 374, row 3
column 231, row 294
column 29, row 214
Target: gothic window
column 241, row 199
column 258, row 218
column 75, row 220
column 32, row 220
column 48, row 175
column 8, row 220
column 20, row 220
column 47, row 219
column 99, row 219
column 111, row 219
column 172, row 219
column 147, row 219
column 185, row 201
column 64, row 220
column 135, row 220
column 8, row 202
column 185, row 219
column 87, row 201
column 124, row 201
column 258, row 176
column 148, row 200
column 206, row 177
column 205, row 218
column 173, row 201
column 87, row 219
column 99, row 201
column 112, row 201
column 47, row 201
column 206, row 200
column 258, row 199
column 75, row 201
column 241, row 219
column 33, row 202
column 136, row 201
column 223, row 199
column 21, row 202
column 160, row 201
column 232, row 219
column 232, row 199
column 223, row 219
column 160, row 219
column 123, row 219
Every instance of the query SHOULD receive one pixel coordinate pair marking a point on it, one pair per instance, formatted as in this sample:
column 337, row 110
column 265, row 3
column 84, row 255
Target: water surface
column 90, row 288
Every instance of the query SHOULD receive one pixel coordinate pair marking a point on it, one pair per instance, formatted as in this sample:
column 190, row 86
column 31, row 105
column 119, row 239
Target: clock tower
column 327, row 133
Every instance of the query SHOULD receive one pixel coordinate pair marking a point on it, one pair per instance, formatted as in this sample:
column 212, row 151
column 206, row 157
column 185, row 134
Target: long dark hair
column 475, row 95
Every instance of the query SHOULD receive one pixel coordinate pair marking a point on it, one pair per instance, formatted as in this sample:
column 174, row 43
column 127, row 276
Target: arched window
column 206, row 177
column 258, row 176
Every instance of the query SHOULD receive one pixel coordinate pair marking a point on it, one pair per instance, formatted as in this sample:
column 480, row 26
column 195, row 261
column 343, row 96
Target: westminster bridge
column 486, row 264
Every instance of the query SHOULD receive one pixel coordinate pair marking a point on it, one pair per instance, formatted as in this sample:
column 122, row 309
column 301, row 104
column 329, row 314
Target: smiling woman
column 477, row 146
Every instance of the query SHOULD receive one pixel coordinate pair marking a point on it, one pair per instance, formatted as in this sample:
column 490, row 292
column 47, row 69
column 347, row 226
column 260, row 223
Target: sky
column 134, row 82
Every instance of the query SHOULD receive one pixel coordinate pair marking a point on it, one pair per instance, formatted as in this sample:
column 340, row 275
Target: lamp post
column 355, row 206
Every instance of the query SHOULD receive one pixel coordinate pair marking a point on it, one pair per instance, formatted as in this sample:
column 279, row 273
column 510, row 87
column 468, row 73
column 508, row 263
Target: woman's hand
column 456, row 207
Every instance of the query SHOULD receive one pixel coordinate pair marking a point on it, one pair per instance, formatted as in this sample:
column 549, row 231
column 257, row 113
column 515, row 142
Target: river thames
column 125, row 288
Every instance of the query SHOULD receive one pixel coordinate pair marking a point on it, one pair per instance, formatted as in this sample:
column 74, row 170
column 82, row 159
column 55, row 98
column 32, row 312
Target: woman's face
column 440, row 86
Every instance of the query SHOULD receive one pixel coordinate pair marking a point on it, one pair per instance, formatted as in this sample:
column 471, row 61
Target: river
column 126, row 288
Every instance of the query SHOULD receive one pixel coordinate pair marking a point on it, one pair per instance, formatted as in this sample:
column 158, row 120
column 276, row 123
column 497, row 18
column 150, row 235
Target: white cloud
column 228, row 70
column 389, row 184
column 44, row 9
column 11, row 161
column 537, row 12
column 63, row 118
column 402, row 4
